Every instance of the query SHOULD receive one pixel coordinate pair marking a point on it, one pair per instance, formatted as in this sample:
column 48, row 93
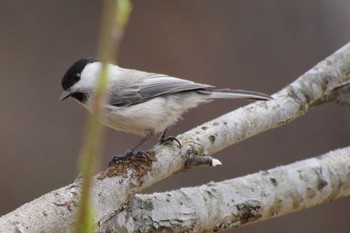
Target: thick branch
column 291, row 102
column 56, row 211
column 240, row 201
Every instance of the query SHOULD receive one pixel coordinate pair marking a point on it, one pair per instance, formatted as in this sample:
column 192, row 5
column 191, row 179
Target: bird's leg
column 162, row 139
column 149, row 133
column 131, row 152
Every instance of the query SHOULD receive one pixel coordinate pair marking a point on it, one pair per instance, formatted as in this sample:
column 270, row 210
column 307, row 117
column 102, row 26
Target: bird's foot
column 169, row 139
column 129, row 156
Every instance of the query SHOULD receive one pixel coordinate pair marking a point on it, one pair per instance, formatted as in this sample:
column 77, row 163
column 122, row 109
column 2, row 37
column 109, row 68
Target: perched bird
column 139, row 102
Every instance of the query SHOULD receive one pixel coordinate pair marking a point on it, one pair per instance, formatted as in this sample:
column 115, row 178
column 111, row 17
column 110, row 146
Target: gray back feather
column 147, row 86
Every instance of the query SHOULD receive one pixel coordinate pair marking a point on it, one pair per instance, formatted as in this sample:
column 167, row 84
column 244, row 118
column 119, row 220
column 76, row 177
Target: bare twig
column 88, row 158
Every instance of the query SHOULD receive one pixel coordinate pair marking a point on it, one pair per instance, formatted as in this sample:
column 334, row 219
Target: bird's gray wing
column 152, row 86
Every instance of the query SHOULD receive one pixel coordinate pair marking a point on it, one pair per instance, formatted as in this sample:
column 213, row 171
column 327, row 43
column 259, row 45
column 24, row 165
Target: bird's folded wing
column 152, row 86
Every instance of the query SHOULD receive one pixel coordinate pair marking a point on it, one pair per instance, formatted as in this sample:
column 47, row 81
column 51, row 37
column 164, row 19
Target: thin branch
column 56, row 211
column 88, row 157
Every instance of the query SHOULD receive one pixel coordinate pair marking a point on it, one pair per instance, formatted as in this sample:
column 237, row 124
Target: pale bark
column 56, row 211
column 240, row 201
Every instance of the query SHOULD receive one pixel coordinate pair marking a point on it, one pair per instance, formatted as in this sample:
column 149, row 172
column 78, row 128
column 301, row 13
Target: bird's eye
column 76, row 77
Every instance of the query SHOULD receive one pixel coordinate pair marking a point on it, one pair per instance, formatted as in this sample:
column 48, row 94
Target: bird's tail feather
column 239, row 94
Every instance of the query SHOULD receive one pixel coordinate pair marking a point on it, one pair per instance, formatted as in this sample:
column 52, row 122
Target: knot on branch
column 134, row 166
column 195, row 156
column 339, row 95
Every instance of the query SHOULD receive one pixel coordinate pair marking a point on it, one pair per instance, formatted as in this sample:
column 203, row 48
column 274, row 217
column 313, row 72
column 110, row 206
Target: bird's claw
column 169, row 139
column 129, row 155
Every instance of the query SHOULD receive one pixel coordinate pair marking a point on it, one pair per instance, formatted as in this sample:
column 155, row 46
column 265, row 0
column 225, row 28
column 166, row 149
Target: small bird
column 139, row 102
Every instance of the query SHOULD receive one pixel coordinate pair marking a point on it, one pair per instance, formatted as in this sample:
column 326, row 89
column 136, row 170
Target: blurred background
column 254, row 45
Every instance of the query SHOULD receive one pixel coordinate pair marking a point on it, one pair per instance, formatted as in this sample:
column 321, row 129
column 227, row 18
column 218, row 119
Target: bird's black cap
column 72, row 75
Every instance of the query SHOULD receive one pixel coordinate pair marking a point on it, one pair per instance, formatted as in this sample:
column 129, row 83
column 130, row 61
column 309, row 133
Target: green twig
column 114, row 20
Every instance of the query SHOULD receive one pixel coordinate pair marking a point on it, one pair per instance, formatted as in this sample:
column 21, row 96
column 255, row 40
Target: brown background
column 256, row 45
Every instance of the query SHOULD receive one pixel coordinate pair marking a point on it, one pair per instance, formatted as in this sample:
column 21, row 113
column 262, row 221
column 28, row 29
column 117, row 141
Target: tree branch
column 113, row 188
column 244, row 200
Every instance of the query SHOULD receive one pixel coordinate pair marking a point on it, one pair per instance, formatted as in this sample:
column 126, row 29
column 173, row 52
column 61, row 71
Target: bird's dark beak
column 67, row 93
